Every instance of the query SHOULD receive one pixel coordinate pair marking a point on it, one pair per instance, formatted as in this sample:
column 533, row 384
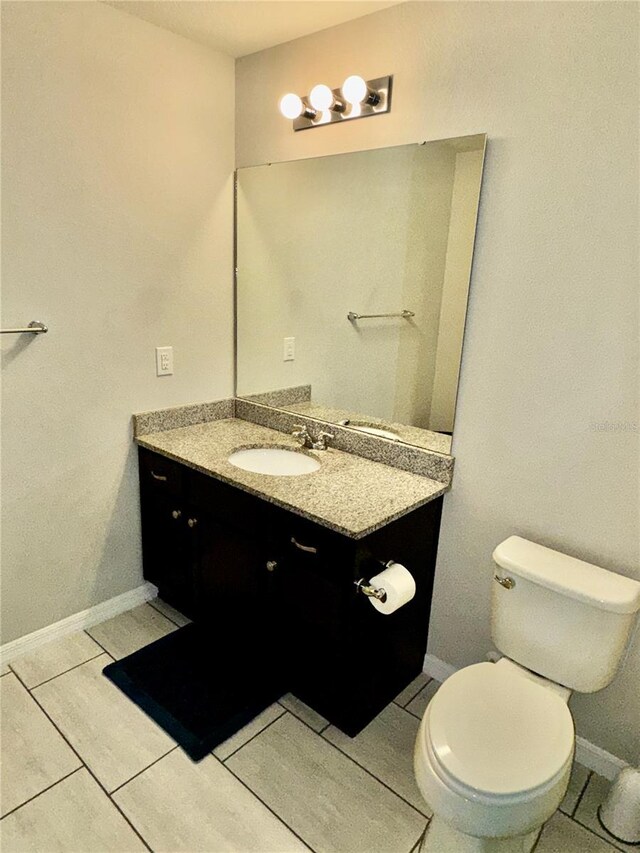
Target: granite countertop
column 348, row 494
column 436, row 441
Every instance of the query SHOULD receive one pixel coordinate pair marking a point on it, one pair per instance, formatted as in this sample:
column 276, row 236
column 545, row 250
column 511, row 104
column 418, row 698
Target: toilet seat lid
column 498, row 732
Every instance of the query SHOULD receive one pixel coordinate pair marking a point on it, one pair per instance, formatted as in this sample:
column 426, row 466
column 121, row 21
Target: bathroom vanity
column 275, row 569
column 276, row 560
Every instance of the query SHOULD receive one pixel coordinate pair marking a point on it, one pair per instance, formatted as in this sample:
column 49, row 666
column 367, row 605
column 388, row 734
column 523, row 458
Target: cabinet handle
column 271, row 565
column 176, row 513
column 192, row 522
column 161, row 477
column 308, row 548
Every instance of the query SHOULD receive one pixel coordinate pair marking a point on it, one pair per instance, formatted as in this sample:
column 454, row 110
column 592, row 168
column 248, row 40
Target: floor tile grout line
column 268, row 807
column 92, row 774
column 611, row 843
column 337, row 748
column 539, row 836
column 43, row 791
column 65, row 671
column 62, row 735
column 173, row 621
column 85, row 765
column 253, row 737
column 373, row 776
column 293, row 714
column 581, row 794
column 308, row 725
column 416, row 846
column 421, row 814
column 98, row 643
column 408, row 702
column 578, row 823
column 407, row 711
column 126, row 818
column 305, row 723
column 86, row 631
column 144, row 770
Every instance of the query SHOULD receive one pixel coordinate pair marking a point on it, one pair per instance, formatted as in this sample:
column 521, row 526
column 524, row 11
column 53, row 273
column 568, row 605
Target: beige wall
column 552, row 336
column 117, row 145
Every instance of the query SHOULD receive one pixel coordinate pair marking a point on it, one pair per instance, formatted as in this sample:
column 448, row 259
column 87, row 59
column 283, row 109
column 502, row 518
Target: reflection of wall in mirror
column 317, row 239
column 453, row 307
column 427, row 230
column 367, row 232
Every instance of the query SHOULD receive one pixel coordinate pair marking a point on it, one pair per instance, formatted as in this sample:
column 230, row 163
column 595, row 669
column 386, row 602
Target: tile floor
column 83, row 769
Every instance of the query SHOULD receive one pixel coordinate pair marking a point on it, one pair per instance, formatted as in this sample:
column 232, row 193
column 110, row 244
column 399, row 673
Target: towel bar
column 406, row 315
column 35, row 327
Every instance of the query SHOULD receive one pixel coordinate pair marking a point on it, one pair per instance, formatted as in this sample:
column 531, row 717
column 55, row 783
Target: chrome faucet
column 302, row 436
column 322, row 441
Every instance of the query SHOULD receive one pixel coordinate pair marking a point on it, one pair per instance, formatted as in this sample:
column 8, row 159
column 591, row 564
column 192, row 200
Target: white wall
column 552, row 334
column 117, row 146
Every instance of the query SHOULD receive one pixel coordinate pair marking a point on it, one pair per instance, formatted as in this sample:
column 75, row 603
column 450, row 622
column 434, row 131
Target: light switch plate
column 289, row 352
column 164, row 361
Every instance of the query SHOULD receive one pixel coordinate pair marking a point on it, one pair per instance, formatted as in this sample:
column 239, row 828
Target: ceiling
column 240, row 27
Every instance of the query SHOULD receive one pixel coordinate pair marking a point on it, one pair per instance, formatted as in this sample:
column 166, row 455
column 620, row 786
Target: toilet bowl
column 493, row 757
column 495, row 746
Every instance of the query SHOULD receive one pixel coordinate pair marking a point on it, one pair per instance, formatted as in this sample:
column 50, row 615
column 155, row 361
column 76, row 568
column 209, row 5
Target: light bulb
column 291, row 106
column 354, row 89
column 321, row 97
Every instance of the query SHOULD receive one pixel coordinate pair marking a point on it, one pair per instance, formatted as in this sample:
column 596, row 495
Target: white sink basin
column 275, row 461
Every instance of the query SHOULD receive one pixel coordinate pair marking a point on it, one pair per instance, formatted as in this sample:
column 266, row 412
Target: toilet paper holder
column 374, row 591
column 371, row 591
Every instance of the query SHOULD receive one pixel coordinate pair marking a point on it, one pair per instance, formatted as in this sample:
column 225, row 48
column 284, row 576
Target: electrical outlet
column 289, row 349
column 164, row 361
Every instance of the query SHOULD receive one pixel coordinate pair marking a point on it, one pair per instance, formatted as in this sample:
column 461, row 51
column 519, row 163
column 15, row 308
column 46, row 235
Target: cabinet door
column 317, row 598
column 350, row 660
column 168, row 551
column 238, row 575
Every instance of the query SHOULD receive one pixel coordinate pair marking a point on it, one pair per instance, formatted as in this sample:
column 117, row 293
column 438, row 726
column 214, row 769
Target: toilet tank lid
column 567, row 575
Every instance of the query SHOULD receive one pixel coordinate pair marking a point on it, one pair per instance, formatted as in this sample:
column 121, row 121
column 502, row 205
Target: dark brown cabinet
column 168, row 532
column 285, row 587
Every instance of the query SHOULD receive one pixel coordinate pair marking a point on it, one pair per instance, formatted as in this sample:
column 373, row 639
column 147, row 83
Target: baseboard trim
column 436, row 668
column 78, row 621
column 594, row 757
column 597, row 759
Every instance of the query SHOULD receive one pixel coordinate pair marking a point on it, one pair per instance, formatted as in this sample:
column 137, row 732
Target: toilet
column 495, row 747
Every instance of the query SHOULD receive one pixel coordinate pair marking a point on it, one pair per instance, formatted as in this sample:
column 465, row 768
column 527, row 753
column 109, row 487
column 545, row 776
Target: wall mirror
column 327, row 245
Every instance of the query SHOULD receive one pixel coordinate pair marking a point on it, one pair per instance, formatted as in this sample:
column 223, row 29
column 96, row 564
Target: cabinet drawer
column 307, row 541
column 159, row 475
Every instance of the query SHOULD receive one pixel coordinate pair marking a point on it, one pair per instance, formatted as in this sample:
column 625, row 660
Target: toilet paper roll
column 399, row 585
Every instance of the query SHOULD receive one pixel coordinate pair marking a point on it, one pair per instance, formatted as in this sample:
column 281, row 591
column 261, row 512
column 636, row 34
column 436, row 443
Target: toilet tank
column 563, row 618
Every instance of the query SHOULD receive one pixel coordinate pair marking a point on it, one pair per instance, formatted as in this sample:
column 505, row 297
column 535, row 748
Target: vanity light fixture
column 356, row 91
column 292, row 106
column 357, row 98
column 322, row 98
